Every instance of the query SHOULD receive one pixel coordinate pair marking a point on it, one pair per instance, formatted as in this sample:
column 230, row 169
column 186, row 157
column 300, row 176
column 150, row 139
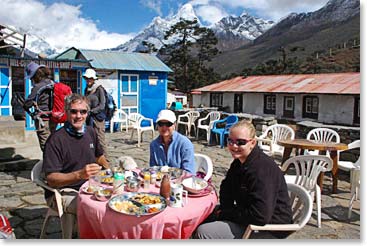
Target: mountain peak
column 186, row 12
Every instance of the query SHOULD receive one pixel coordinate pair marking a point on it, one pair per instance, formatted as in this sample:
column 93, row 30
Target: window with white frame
column 269, row 104
column 216, row 100
column 129, row 93
column 288, row 106
column 311, row 107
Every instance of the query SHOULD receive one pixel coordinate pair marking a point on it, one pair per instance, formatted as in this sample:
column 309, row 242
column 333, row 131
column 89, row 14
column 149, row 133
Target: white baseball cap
column 166, row 114
column 90, row 73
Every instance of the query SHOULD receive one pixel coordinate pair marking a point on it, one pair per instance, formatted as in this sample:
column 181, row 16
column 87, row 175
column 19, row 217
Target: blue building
column 137, row 81
column 12, row 82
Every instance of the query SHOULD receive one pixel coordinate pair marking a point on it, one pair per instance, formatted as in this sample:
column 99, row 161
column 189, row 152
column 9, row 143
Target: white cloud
column 210, row 14
column 275, row 9
column 154, row 5
column 208, row 11
column 59, row 24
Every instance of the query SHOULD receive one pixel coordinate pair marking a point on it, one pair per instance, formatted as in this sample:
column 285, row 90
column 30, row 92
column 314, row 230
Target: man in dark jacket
column 97, row 101
column 40, row 77
column 253, row 192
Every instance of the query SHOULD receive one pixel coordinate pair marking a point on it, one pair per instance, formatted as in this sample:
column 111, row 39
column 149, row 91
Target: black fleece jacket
column 255, row 192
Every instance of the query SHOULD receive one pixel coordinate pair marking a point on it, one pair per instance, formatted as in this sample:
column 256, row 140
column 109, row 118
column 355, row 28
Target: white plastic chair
column 204, row 164
column 320, row 135
column 140, row 124
column 188, row 120
column 67, row 220
column 212, row 116
column 301, row 204
column 354, row 169
column 308, row 169
column 277, row 132
column 355, row 183
column 119, row 117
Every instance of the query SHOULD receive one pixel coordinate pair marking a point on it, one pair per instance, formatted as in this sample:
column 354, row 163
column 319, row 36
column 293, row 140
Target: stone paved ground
column 23, row 202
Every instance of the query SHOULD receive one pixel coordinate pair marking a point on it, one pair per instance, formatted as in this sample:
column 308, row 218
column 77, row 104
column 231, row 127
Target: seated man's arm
column 101, row 160
column 57, row 180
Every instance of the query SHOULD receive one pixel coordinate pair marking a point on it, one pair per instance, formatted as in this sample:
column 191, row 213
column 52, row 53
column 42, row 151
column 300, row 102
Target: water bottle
column 146, row 180
column 153, row 177
column 118, row 183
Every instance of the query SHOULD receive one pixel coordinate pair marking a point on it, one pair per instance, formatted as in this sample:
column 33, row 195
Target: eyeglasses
column 238, row 142
column 168, row 124
column 81, row 111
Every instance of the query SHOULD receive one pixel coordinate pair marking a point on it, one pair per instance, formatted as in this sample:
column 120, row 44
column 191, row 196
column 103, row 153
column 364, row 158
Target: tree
column 149, row 47
column 193, row 47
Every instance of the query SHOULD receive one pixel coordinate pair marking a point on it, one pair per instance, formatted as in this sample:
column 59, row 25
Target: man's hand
column 90, row 170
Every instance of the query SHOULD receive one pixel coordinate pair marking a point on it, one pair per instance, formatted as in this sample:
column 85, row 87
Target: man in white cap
column 97, row 101
column 40, row 77
column 171, row 148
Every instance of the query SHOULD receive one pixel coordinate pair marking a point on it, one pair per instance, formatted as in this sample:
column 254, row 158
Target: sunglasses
column 168, row 124
column 238, row 142
column 75, row 111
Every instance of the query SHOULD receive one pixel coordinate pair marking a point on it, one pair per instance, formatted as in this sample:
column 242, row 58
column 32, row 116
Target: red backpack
column 60, row 91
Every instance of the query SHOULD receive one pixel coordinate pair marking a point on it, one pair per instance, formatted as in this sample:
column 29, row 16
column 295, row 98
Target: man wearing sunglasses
column 171, row 148
column 72, row 154
column 254, row 191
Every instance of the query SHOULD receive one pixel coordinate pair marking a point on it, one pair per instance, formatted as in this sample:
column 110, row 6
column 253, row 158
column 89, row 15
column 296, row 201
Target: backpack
column 61, row 90
column 57, row 93
column 110, row 105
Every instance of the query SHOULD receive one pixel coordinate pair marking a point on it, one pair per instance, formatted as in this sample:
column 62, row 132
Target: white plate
column 137, row 208
column 85, row 190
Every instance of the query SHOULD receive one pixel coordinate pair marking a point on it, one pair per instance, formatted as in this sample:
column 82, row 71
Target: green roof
column 114, row 60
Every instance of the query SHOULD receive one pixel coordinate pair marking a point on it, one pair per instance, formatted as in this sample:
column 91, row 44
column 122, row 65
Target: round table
column 97, row 220
column 303, row 144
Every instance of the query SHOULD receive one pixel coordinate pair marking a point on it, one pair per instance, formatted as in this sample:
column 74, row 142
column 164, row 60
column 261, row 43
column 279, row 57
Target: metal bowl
column 194, row 184
column 103, row 194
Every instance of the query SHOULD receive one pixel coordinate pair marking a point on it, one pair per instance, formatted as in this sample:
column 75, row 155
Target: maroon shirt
column 65, row 153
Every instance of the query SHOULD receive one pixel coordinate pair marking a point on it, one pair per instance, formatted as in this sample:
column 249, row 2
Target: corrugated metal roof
column 330, row 83
column 124, row 61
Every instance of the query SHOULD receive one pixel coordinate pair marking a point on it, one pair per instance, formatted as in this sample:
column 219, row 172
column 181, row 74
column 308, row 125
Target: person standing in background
column 97, row 101
column 40, row 77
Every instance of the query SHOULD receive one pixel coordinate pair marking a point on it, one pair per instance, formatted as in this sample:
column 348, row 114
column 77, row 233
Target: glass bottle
column 165, row 188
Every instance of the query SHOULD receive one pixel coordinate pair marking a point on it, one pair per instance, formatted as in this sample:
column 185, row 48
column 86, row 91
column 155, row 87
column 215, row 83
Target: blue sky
column 100, row 24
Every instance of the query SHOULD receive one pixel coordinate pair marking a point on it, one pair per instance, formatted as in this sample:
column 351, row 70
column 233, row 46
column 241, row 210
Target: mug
column 176, row 195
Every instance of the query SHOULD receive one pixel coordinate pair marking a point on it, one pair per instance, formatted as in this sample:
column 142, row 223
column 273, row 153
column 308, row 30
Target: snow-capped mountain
column 332, row 14
column 244, row 27
column 155, row 31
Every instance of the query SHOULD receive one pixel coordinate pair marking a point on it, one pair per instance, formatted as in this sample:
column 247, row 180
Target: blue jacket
column 180, row 153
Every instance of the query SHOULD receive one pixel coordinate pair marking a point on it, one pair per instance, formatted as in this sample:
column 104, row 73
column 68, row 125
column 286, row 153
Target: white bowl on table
column 194, row 184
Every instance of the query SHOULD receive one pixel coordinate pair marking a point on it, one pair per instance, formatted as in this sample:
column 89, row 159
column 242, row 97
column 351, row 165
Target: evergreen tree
column 193, row 47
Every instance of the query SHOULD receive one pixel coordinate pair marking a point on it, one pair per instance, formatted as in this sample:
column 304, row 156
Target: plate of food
column 203, row 192
column 107, row 180
column 138, row 203
column 174, row 172
column 89, row 189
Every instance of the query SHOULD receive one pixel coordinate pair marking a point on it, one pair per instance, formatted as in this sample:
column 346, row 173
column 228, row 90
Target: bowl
column 194, row 184
column 103, row 194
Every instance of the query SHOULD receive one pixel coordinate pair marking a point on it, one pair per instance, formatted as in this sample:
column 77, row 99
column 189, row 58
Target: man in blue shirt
column 171, row 148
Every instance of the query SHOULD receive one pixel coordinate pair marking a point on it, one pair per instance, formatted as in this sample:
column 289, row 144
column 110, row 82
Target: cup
column 176, row 196
column 94, row 182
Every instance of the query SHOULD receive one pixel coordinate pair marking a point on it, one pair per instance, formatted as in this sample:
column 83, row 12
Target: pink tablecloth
column 97, row 220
